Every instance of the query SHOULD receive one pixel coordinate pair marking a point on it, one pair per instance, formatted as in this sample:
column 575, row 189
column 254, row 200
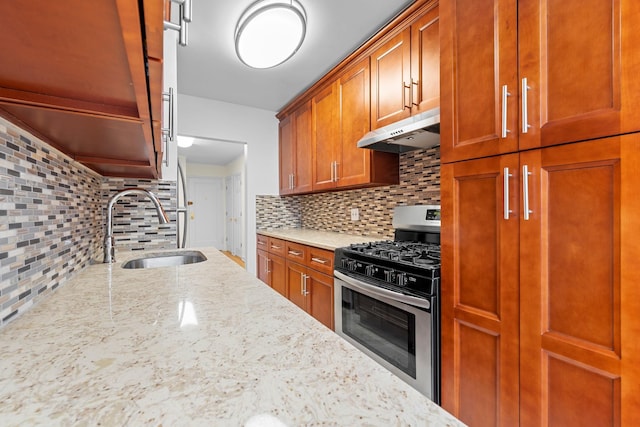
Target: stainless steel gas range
column 387, row 298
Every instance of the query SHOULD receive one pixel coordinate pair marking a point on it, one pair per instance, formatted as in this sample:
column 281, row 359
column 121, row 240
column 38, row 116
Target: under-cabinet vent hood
column 416, row 132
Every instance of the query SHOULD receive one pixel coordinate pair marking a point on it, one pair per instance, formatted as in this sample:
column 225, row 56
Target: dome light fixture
column 269, row 32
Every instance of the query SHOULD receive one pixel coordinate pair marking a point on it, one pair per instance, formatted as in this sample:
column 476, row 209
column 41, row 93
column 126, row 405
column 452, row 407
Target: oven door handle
column 385, row 293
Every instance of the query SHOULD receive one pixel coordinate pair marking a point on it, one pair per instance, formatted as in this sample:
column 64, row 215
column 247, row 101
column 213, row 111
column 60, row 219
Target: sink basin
column 166, row 259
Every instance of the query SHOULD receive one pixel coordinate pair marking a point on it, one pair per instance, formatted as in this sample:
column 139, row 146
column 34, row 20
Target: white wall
column 257, row 128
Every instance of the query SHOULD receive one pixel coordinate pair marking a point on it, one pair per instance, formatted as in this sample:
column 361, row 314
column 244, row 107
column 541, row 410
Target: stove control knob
column 351, row 265
column 389, row 276
column 401, row 279
column 368, row 270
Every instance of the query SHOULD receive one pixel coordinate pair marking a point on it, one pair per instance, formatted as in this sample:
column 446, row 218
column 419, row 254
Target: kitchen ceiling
column 209, row 68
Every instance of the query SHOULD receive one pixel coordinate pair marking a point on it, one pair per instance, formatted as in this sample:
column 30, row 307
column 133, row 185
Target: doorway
column 205, row 212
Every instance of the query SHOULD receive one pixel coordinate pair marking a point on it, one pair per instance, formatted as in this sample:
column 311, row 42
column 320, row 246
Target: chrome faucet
column 109, row 241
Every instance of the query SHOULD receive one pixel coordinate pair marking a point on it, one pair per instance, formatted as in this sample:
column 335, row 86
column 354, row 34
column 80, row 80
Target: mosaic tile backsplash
column 52, row 212
column 419, row 184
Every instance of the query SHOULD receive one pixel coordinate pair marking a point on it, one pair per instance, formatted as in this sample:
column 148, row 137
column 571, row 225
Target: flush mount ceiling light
column 269, row 32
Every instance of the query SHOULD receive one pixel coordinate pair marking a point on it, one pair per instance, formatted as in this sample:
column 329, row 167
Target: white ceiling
column 209, row 68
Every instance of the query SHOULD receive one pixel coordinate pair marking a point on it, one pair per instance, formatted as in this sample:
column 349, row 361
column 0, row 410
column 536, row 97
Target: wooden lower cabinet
column 540, row 305
column 271, row 270
column 312, row 291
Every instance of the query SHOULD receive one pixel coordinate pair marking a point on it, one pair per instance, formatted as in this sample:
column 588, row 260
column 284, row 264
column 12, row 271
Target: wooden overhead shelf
column 75, row 75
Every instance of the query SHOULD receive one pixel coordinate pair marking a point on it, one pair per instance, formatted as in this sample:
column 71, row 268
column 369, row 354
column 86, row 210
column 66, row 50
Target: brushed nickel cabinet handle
column 319, row 260
column 505, row 94
column 295, row 253
column 505, row 202
column 525, row 192
column 525, row 108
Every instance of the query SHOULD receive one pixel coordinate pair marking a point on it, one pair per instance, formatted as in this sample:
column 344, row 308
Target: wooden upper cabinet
column 478, row 42
column 425, row 60
column 405, row 71
column 302, row 179
column 287, row 154
column 83, row 88
column 583, row 77
column 391, row 80
column 324, row 107
column 516, row 76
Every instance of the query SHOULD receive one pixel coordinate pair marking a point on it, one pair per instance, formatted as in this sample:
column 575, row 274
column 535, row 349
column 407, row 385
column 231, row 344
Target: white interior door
column 206, row 212
column 238, row 216
column 229, row 213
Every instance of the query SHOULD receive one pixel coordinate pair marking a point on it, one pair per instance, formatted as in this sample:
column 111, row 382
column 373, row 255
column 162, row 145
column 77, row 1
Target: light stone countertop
column 196, row 345
column 329, row 240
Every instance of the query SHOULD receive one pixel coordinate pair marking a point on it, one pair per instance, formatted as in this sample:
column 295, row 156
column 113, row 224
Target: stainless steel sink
column 166, row 259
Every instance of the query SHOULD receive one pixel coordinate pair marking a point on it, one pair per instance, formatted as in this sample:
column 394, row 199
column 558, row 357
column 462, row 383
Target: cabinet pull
column 168, row 130
column 185, row 17
column 525, row 108
column 416, row 88
column 525, row 191
column 335, row 168
column 406, row 88
column 295, row 253
column 267, row 265
column 333, row 171
column 304, row 285
column 505, row 94
column 276, row 247
column 319, row 260
column 261, row 243
column 505, row 202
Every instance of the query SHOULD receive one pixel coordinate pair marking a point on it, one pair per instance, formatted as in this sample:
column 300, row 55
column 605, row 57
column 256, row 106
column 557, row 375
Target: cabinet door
column 391, row 80
column 355, row 115
column 302, row 179
column 295, row 282
column 287, row 152
column 478, row 59
column 479, row 293
column 324, row 111
column 425, row 61
column 580, row 59
column 320, row 297
column 277, row 272
column 263, row 266
column 580, row 329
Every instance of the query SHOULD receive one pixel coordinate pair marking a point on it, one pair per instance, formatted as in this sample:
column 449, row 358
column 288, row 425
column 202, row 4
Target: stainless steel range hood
column 416, row 132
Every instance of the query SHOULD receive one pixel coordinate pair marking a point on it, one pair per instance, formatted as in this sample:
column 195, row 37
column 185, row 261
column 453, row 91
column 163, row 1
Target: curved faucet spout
column 109, row 241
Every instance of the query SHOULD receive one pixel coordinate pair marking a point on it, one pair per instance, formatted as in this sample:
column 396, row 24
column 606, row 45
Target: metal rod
column 505, row 94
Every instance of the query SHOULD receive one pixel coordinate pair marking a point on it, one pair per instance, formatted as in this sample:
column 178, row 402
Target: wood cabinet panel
column 354, row 116
column 480, row 320
column 302, row 178
column 391, row 80
column 296, row 276
column 85, row 85
column 588, row 336
column 263, row 266
column 425, row 60
column 324, row 111
column 320, row 297
column 276, row 246
column 277, row 272
column 296, row 252
column 478, row 53
column 320, row 259
column 287, row 153
column 561, row 83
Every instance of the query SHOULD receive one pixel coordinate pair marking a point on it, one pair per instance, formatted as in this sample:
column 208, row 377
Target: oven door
column 396, row 334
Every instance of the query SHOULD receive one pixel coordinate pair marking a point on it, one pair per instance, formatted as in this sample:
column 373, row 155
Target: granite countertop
column 193, row 345
column 329, row 240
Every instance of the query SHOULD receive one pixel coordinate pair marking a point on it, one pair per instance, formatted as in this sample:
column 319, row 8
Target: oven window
column 384, row 329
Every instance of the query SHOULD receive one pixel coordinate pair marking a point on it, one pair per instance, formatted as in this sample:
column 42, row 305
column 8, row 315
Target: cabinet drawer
column 262, row 242
column 276, row 246
column 296, row 252
column 320, row 260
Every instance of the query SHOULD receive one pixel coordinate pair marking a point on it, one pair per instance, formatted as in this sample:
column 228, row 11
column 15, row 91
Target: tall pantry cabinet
column 541, row 158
